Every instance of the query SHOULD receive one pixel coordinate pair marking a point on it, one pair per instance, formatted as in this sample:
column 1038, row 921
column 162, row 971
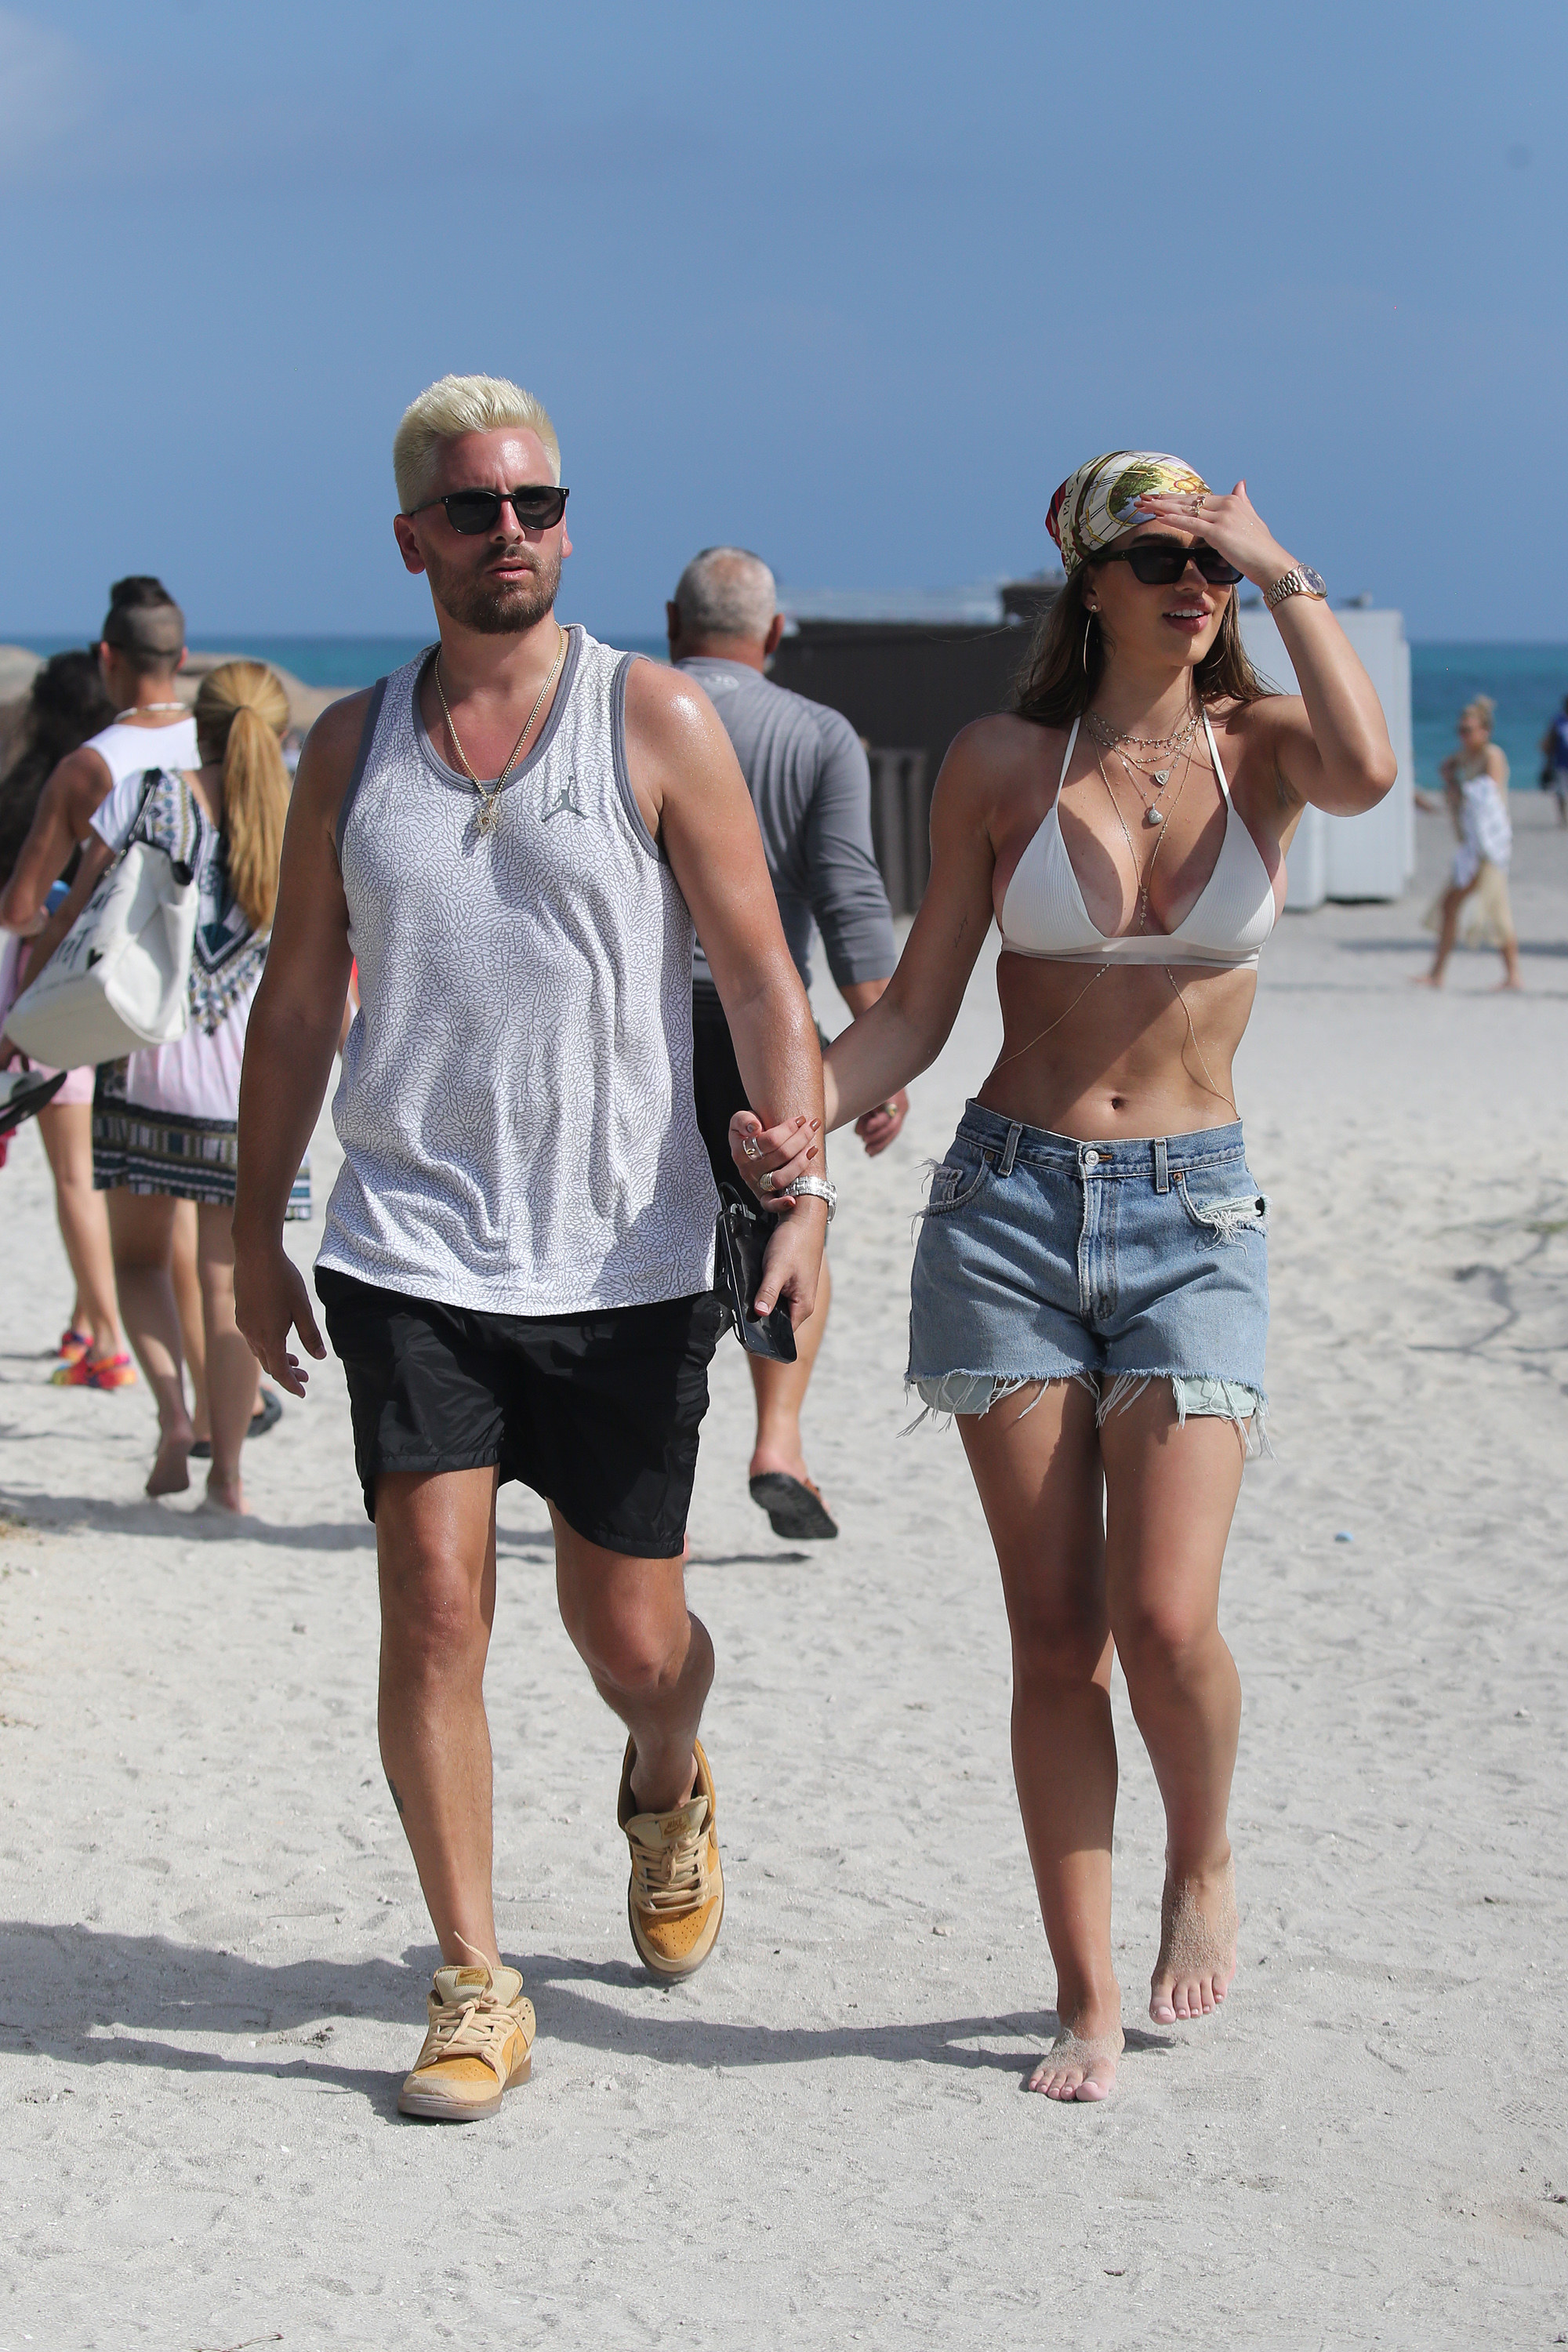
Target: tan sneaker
column 675, row 1899
column 479, row 2044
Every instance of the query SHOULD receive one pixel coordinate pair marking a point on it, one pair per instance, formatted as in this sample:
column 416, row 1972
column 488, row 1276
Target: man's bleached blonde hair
column 462, row 404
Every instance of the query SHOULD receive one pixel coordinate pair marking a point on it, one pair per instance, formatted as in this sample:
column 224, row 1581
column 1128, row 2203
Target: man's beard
column 496, row 608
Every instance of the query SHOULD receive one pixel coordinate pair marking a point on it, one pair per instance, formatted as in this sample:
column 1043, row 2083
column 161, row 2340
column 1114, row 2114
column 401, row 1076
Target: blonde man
column 520, row 829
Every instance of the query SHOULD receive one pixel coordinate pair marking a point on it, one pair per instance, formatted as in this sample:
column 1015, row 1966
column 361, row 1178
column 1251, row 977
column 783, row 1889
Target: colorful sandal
column 74, row 1345
column 110, row 1373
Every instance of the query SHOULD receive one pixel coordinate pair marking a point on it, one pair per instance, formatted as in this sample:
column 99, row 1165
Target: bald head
column 726, row 603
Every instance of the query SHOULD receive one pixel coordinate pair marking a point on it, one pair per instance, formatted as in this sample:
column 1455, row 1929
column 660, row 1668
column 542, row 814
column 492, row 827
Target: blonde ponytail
column 241, row 712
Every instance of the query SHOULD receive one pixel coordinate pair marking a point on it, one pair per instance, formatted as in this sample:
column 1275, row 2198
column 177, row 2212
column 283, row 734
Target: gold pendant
column 488, row 809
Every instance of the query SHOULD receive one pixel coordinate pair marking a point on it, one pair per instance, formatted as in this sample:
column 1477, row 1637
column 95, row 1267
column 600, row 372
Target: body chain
column 1142, row 914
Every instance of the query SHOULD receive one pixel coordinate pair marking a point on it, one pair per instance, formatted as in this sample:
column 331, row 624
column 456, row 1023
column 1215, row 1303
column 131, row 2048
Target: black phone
column 740, row 1245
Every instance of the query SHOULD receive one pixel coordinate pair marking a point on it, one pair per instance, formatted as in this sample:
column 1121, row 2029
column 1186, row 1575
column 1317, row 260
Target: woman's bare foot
column 171, row 1472
column 1426, row 979
column 1080, row 2065
column 225, row 1494
column 1197, row 1946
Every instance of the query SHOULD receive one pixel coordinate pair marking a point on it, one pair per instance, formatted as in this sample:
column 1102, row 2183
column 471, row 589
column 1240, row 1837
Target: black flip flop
column 25, row 1093
column 268, row 1415
column 793, row 1507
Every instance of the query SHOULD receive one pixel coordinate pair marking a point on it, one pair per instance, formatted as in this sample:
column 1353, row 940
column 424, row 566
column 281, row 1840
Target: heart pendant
column 1162, row 777
column 1153, row 816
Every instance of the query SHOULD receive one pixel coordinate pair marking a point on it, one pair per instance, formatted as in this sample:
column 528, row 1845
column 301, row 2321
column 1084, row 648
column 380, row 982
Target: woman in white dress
column 165, row 1120
column 1475, row 782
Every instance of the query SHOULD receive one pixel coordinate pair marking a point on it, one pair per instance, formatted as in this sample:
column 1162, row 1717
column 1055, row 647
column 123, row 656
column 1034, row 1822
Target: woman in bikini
column 1090, row 1293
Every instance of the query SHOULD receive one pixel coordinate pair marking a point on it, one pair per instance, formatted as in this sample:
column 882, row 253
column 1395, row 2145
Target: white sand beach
column 215, row 1956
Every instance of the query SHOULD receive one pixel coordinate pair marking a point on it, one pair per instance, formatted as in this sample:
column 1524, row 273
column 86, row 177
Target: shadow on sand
column 90, row 1997
column 62, row 1515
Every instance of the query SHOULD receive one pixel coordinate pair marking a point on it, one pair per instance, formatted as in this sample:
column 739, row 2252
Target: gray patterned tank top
column 515, row 1109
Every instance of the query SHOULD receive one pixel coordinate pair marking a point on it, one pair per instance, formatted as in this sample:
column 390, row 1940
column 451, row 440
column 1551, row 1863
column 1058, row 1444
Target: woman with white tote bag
column 164, row 1125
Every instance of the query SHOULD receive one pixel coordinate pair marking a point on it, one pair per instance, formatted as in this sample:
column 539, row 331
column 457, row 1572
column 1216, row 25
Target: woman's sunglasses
column 1159, row 562
column 538, row 506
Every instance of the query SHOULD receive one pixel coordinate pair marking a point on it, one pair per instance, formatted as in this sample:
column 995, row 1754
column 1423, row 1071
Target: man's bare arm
column 690, row 788
column 67, row 807
column 290, row 1041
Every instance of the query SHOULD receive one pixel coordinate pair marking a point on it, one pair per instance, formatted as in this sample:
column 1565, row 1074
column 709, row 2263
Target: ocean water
column 1527, row 682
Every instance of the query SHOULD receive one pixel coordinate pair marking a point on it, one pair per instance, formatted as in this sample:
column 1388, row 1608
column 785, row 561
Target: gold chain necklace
column 488, row 801
column 1173, row 745
column 1142, row 880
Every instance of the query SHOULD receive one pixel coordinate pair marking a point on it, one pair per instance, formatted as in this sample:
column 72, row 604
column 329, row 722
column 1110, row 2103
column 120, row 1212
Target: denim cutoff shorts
column 1042, row 1259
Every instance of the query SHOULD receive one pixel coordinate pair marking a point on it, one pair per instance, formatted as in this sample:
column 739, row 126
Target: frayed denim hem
column 946, row 1394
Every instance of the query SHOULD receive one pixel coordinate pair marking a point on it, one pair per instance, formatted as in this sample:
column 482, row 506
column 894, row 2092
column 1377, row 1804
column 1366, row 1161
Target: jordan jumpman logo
column 565, row 801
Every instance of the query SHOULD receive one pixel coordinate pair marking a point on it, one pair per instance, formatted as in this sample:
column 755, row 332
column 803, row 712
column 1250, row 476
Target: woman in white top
column 165, row 1119
column 1089, row 1298
column 1475, row 783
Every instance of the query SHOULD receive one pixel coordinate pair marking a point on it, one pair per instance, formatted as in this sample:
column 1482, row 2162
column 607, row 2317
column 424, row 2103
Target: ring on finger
column 751, row 1148
column 765, row 1182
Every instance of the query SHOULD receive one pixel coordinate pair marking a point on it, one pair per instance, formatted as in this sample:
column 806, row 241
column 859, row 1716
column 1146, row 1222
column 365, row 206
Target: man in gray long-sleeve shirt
column 806, row 770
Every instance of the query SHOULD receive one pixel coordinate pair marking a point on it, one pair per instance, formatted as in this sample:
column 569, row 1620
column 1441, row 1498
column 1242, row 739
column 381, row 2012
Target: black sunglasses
column 1159, row 562
column 538, row 506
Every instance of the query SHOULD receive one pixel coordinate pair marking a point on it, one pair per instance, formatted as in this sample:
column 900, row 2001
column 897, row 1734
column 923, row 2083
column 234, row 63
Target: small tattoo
column 396, row 1798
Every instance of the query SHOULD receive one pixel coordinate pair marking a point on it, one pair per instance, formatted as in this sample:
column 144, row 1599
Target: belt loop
column 1161, row 1166
column 1010, row 1149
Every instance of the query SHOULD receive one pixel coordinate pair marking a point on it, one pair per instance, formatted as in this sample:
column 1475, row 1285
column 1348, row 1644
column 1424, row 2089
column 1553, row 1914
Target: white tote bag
column 121, row 977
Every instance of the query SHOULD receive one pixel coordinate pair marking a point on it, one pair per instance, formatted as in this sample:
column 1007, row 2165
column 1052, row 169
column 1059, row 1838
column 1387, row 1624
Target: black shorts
column 599, row 1412
column 716, row 1081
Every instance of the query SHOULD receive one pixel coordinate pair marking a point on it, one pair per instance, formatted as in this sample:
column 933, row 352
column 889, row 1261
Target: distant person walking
column 165, row 1120
column 806, row 770
column 516, row 832
column 1475, row 782
column 140, row 655
column 1554, row 753
column 68, row 704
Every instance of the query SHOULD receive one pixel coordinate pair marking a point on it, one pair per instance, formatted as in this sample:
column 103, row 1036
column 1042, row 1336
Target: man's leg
column 651, row 1660
column 780, row 1392
column 436, row 1546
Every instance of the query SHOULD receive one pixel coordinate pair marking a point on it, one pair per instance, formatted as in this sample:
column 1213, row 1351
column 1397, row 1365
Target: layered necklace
column 1141, row 919
column 1139, row 756
column 488, row 808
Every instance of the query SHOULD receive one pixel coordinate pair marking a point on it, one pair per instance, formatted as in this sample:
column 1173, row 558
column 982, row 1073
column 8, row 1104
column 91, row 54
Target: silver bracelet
column 816, row 1188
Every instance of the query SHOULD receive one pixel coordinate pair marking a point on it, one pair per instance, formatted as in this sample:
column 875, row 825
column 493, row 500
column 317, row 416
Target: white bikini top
column 1043, row 913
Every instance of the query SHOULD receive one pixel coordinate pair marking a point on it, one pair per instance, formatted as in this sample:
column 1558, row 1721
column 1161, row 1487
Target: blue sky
column 855, row 285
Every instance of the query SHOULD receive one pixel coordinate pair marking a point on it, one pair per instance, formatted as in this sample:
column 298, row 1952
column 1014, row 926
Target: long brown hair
column 241, row 711
column 1066, row 662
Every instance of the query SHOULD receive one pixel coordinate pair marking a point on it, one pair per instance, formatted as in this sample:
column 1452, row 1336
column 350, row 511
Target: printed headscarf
column 1100, row 501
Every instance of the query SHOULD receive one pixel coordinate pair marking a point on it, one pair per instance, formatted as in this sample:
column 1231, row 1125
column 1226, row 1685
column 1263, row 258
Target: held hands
column 773, row 1157
column 1231, row 526
column 270, row 1301
column 769, row 1158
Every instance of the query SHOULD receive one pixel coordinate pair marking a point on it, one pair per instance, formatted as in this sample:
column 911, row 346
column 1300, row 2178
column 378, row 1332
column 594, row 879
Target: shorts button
column 1091, row 1159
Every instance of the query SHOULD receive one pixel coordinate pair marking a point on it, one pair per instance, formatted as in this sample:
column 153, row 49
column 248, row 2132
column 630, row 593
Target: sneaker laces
column 673, row 1877
column 477, row 2024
